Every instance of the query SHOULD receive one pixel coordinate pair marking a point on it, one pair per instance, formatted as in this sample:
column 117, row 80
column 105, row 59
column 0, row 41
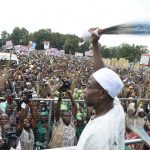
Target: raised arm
column 22, row 115
column 74, row 105
column 34, row 108
column 57, row 113
column 98, row 61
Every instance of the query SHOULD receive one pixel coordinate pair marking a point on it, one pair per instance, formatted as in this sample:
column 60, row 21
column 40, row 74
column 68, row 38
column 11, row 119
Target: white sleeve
column 98, row 140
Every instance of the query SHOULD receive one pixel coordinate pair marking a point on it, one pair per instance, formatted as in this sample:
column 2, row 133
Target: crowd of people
column 26, row 122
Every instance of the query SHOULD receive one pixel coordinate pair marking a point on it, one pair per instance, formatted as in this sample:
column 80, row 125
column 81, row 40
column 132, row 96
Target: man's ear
column 103, row 94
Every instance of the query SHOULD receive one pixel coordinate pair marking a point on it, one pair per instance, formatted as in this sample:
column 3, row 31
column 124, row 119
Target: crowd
column 26, row 122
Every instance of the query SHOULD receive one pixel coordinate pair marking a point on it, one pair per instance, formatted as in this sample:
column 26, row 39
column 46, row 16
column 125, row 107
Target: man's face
column 9, row 110
column 26, row 123
column 130, row 112
column 142, row 114
column 93, row 92
column 66, row 117
column 44, row 118
column 4, row 119
column 8, row 91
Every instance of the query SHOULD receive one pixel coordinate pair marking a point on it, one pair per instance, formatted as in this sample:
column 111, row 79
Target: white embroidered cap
column 109, row 80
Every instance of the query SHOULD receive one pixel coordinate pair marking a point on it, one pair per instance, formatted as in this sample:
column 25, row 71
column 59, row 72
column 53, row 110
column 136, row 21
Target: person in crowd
column 130, row 114
column 12, row 114
column 26, row 125
column 7, row 133
column 41, row 129
column 106, row 128
column 64, row 132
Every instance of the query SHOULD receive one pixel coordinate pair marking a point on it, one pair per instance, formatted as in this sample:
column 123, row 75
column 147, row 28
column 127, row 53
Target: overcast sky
column 75, row 16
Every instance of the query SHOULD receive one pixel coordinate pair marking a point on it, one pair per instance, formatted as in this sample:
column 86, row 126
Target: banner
column 114, row 63
column 145, row 60
column 123, row 63
column 54, row 52
column 62, row 51
column 22, row 50
column 89, row 53
column 107, row 62
column 31, row 45
column 46, row 45
column 78, row 54
column 9, row 45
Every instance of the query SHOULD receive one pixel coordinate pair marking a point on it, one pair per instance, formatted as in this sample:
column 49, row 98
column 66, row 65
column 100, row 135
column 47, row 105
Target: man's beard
column 91, row 104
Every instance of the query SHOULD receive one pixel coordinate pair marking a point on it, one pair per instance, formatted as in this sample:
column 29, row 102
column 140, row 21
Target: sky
column 76, row 17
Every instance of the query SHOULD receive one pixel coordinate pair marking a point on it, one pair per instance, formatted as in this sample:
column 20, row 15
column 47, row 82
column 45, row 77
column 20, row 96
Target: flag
column 33, row 45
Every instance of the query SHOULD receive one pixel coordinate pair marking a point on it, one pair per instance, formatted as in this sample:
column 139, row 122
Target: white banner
column 31, row 46
column 89, row 53
column 9, row 45
column 46, row 45
column 145, row 59
column 78, row 54
column 62, row 51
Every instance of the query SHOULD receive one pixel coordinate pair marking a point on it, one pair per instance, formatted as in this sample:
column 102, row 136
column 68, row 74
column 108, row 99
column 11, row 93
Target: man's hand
column 95, row 34
column 1, row 142
column 34, row 106
column 60, row 95
column 69, row 93
column 98, row 61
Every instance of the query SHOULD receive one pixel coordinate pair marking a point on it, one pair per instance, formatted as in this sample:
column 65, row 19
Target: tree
column 105, row 52
column 84, row 47
column 71, row 44
column 25, row 36
column 40, row 36
column 57, row 40
column 4, row 37
column 20, row 36
column 130, row 52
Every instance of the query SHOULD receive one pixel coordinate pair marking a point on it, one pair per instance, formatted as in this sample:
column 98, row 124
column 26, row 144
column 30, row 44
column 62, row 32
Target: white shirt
column 69, row 136
column 105, row 132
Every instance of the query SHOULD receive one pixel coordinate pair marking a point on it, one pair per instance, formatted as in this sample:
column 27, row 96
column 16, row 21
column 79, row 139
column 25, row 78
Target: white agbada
column 105, row 132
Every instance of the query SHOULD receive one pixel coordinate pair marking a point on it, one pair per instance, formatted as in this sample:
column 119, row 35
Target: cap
column 28, row 83
column 109, row 80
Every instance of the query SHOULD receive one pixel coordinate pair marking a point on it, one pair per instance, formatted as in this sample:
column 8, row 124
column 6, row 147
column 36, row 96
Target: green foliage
column 69, row 43
column 57, row 40
column 4, row 37
column 40, row 36
column 130, row 52
column 20, row 36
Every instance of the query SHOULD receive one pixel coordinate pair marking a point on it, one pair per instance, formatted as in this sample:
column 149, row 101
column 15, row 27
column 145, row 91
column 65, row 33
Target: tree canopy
column 69, row 42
